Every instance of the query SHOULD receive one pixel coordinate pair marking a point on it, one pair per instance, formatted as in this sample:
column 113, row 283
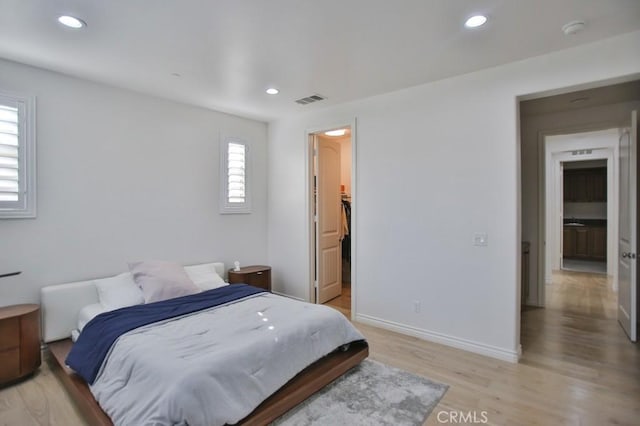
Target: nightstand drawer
column 255, row 275
column 9, row 364
column 19, row 341
column 259, row 279
column 9, row 333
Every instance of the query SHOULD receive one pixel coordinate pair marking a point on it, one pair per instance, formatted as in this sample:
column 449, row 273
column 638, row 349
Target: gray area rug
column 369, row 394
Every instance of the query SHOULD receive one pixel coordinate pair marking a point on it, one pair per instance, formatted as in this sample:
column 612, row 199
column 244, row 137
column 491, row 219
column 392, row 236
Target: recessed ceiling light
column 339, row 132
column 71, row 21
column 475, row 21
column 272, row 91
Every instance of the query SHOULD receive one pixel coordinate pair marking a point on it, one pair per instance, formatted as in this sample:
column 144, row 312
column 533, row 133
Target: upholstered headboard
column 61, row 303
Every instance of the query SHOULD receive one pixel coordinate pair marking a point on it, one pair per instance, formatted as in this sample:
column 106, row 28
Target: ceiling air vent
column 310, row 99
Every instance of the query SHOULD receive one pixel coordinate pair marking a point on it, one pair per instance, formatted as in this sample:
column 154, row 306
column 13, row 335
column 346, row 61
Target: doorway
column 331, row 216
column 580, row 203
column 589, row 299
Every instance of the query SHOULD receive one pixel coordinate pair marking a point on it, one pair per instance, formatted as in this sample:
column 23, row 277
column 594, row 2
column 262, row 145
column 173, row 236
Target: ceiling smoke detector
column 572, row 27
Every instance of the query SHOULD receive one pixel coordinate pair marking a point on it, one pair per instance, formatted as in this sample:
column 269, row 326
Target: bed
column 62, row 303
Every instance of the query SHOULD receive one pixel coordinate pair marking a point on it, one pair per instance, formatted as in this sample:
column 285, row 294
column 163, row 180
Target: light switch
column 480, row 239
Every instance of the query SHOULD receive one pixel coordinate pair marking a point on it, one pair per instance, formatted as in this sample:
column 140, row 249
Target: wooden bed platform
column 306, row 383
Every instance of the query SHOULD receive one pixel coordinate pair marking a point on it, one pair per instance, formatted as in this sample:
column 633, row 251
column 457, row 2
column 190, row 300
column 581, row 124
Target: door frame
column 545, row 153
column 556, row 205
column 309, row 200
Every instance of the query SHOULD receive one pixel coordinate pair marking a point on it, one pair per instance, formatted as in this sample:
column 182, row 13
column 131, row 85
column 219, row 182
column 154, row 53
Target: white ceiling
column 229, row 51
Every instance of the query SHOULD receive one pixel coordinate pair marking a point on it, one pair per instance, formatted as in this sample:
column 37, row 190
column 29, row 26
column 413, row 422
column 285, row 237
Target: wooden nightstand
column 19, row 341
column 256, row 275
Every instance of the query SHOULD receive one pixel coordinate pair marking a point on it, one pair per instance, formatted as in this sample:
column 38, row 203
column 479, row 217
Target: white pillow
column 119, row 291
column 162, row 280
column 204, row 276
column 87, row 313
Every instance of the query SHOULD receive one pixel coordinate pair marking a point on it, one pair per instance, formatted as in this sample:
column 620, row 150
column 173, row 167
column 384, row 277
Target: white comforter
column 215, row 366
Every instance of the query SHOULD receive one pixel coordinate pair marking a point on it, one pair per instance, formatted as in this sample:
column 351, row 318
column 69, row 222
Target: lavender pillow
column 161, row 280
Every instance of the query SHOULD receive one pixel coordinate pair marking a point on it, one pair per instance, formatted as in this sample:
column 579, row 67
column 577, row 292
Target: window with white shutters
column 234, row 176
column 17, row 156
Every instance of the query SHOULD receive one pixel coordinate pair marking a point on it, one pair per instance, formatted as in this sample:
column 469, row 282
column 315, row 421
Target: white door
column 329, row 220
column 560, row 201
column 627, row 265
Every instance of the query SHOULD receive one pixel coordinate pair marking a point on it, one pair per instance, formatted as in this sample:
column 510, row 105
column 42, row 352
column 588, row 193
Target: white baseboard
column 455, row 342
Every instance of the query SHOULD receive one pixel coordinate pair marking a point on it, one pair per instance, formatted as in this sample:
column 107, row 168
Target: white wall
column 435, row 164
column 121, row 177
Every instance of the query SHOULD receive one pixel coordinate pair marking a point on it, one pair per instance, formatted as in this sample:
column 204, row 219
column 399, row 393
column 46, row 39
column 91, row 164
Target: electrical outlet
column 416, row 306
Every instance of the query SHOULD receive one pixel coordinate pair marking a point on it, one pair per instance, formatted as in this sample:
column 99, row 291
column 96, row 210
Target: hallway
column 577, row 335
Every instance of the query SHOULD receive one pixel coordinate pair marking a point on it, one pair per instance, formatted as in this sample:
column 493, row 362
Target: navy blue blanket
column 100, row 333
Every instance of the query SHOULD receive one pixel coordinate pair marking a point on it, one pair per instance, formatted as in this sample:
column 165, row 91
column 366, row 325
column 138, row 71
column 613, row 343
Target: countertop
column 586, row 222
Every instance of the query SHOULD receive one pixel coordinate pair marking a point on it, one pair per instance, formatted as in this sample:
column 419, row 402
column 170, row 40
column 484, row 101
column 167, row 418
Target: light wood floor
column 342, row 302
column 578, row 368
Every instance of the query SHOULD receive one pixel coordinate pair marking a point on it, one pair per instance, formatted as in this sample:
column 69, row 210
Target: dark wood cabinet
column 585, row 185
column 598, row 243
column 597, row 185
column 256, row 275
column 588, row 242
column 19, row 341
column 568, row 243
column 582, row 242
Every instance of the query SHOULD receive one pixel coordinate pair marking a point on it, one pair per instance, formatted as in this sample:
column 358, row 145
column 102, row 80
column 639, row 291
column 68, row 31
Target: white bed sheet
column 215, row 366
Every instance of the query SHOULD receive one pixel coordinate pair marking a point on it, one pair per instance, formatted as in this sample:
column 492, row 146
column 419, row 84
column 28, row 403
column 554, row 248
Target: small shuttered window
column 17, row 157
column 234, row 176
column 236, row 173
